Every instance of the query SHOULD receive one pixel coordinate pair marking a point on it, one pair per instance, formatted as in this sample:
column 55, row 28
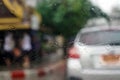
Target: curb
column 33, row 74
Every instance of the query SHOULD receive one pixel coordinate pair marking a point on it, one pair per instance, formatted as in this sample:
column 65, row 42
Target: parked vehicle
column 95, row 54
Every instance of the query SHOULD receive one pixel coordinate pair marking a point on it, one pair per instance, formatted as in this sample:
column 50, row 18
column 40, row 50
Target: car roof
column 99, row 28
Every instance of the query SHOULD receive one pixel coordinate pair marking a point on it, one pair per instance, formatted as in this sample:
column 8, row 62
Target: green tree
column 67, row 17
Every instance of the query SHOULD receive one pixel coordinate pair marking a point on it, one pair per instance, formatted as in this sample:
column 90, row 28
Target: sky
column 31, row 2
column 106, row 5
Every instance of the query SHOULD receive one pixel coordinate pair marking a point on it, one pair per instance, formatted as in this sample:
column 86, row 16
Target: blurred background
column 36, row 34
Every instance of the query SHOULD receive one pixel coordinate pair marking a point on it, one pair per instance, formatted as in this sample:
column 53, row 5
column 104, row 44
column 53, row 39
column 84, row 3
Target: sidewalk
column 53, row 71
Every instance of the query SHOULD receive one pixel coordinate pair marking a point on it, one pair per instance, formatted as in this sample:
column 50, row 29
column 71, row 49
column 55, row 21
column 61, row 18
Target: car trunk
column 100, row 57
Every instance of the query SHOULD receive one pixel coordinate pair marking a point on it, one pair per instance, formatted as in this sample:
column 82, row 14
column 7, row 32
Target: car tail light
column 72, row 53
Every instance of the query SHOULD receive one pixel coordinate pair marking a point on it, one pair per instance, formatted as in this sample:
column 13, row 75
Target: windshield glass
column 40, row 40
column 101, row 38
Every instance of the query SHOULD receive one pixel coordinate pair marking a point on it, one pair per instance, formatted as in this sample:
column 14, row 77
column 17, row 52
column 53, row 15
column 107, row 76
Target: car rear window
column 101, row 38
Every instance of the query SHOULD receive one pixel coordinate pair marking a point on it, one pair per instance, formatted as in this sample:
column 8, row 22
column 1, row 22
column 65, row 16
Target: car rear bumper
column 94, row 74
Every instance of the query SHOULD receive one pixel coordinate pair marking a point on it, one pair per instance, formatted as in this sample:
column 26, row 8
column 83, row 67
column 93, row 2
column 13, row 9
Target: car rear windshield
column 101, row 38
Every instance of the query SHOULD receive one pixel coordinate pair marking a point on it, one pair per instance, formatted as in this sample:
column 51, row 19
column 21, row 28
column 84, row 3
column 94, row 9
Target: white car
column 95, row 54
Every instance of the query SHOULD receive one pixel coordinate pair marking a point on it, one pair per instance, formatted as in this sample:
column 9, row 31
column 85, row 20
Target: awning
column 9, row 20
column 14, row 26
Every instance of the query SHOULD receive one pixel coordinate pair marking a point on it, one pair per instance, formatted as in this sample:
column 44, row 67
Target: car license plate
column 107, row 61
column 110, row 59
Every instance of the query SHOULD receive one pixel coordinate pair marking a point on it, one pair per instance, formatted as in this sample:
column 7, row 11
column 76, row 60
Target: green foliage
column 67, row 17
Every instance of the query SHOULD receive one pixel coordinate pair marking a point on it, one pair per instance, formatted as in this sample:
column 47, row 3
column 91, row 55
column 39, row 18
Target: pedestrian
column 26, row 45
column 8, row 46
column 9, row 43
column 35, row 27
column 34, row 22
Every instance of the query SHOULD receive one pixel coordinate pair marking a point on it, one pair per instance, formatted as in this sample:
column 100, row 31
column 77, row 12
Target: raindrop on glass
column 93, row 9
column 55, row 4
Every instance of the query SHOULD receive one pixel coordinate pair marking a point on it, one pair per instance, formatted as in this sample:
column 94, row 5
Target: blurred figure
column 35, row 26
column 9, row 45
column 60, row 50
column 36, row 49
column 26, row 44
column 17, row 57
column 26, row 61
column 47, row 44
column 26, row 47
column 34, row 22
